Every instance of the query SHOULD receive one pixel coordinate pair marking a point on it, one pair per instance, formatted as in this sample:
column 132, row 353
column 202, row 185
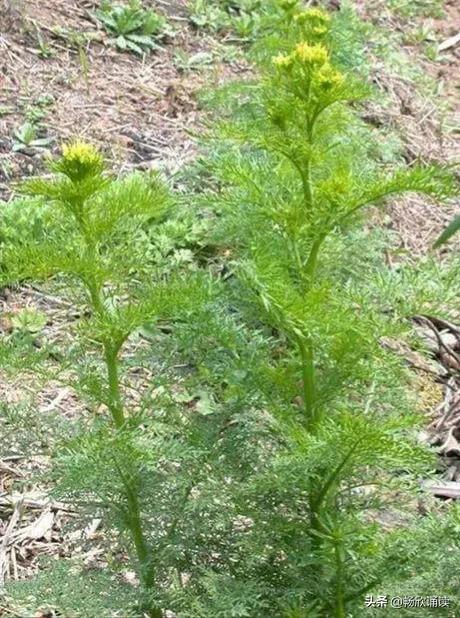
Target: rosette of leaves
column 133, row 27
column 26, row 138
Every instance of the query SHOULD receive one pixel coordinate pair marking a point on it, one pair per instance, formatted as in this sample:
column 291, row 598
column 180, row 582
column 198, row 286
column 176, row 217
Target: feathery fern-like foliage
column 89, row 231
column 295, row 177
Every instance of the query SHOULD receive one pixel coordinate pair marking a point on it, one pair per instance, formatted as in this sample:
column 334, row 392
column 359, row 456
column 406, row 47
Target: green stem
column 134, row 525
column 306, row 183
column 333, row 478
column 308, row 379
column 95, row 296
column 339, row 588
column 312, row 261
column 115, row 403
column 131, row 485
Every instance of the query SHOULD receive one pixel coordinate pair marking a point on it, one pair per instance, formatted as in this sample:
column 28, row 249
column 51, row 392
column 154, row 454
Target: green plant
column 88, row 221
column 271, row 461
column 425, row 8
column 195, row 62
column 202, row 15
column 28, row 321
column 77, row 591
column 26, row 136
column 304, row 96
column 44, row 49
column 244, row 17
column 135, row 28
column 38, row 108
column 290, row 196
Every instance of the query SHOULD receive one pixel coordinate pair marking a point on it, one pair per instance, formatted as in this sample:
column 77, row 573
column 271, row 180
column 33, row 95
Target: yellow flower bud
column 329, row 78
column 311, row 54
column 313, row 16
column 78, row 150
column 319, row 30
column 80, row 160
column 282, row 62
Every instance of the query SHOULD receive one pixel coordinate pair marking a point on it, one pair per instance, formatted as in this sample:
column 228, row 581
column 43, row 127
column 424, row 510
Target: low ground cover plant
column 26, row 137
column 244, row 18
column 134, row 28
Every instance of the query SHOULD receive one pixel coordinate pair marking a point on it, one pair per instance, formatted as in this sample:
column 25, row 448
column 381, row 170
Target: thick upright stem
column 306, row 184
column 308, row 379
column 130, row 481
column 312, row 261
column 339, row 587
column 143, row 553
column 115, row 401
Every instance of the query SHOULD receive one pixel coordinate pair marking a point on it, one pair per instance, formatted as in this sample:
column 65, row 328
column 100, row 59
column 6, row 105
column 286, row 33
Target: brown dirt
column 427, row 124
column 140, row 110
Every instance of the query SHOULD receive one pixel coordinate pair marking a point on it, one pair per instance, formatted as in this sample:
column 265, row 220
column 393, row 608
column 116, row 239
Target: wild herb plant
column 90, row 225
column 269, row 486
column 307, row 131
column 244, row 17
column 27, row 137
column 135, row 28
column 290, row 198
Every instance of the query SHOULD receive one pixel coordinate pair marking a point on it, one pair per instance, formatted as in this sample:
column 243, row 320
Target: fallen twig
column 446, row 489
column 450, row 42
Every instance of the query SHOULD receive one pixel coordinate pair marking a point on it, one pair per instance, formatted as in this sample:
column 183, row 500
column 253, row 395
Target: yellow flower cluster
column 81, row 152
column 329, row 78
column 311, row 54
column 314, row 59
column 303, row 54
column 313, row 15
column 80, row 160
column 316, row 20
column 283, row 62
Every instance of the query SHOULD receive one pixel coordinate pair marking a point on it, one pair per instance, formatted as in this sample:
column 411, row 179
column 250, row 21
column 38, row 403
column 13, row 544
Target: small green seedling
column 242, row 16
column 44, row 49
column 195, row 62
column 135, row 29
column 28, row 321
column 26, row 137
column 37, row 110
column 212, row 18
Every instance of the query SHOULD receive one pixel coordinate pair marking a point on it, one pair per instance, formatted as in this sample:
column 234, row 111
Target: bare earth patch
column 140, row 110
